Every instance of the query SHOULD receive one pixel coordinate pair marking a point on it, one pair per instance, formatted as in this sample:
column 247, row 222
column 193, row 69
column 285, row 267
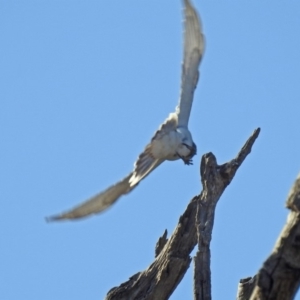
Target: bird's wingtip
column 53, row 218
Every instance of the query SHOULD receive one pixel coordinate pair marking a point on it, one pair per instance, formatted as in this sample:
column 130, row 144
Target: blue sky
column 84, row 85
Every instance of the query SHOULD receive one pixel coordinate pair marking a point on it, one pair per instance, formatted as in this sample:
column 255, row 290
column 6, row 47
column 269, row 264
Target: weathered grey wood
column 161, row 278
column 215, row 179
column 161, row 243
column 279, row 277
column 245, row 288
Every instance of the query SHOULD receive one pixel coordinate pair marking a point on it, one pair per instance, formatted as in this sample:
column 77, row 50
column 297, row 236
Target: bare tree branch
column 214, row 180
column 161, row 278
column 279, row 277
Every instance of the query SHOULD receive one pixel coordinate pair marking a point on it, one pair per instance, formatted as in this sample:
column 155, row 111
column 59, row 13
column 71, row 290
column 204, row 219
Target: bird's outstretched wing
column 144, row 165
column 98, row 203
column 107, row 198
column 193, row 51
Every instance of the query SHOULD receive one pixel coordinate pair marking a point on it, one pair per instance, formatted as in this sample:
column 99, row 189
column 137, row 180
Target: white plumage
column 172, row 140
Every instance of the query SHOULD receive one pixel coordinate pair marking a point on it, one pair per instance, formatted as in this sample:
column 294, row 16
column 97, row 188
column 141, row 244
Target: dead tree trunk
column 279, row 277
column 195, row 226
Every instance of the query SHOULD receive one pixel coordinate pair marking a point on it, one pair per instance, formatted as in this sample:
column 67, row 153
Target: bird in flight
column 172, row 140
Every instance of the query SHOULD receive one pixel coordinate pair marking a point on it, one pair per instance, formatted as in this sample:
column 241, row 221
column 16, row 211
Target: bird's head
column 187, row 149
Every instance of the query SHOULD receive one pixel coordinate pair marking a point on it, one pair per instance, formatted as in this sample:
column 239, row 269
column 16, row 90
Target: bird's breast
column 166, row 146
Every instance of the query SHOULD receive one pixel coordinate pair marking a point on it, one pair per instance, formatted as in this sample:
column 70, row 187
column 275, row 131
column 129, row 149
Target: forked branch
column 161, row 278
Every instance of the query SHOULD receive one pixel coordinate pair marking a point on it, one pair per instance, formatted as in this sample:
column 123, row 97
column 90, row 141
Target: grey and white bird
column 172, row 140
